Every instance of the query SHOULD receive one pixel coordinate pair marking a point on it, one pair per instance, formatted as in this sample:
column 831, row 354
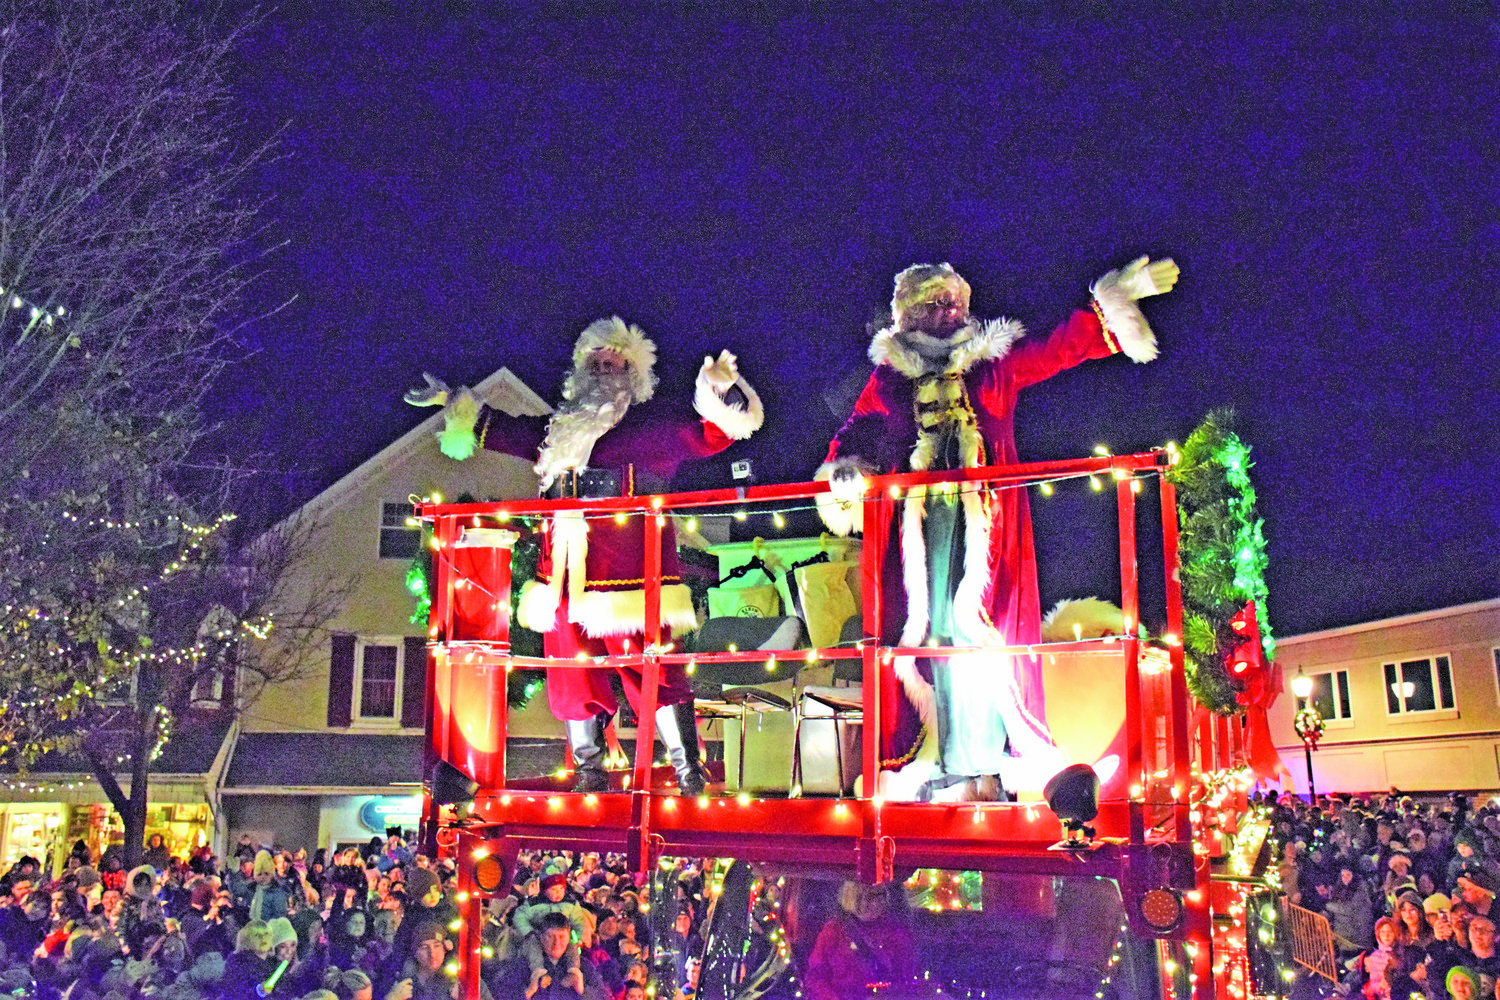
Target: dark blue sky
column 467, row 188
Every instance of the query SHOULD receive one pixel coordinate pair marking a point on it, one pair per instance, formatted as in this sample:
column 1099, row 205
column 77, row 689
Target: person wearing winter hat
column 1462, row 983
column 588, row 596
column 424, row 902
column 264, row 898
column 529, row 919
column 1477, row 888
column 1412, row 920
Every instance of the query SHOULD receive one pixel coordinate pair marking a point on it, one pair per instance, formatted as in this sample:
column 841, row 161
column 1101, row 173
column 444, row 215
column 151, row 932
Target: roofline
column 1474, row 607
column 356, row 476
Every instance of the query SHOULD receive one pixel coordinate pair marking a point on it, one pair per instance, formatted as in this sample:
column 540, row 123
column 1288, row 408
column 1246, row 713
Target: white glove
column 720, row 374
column 1141, row 278
column 434, row 393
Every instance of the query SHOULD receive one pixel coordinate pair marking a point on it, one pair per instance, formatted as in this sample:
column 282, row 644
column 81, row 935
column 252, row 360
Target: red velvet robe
column 656, row 442
column 882, row 433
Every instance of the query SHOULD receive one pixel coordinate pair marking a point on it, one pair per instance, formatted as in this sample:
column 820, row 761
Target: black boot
column 586, row 740
column 677, row 728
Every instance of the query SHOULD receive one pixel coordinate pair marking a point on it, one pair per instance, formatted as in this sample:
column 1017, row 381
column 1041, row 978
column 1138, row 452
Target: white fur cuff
column 842, row 515
column 538, row 606
column 1124, row 320
column 737, row 423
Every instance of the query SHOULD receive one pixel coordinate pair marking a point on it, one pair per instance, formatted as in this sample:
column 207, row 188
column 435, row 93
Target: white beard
column 592, row 405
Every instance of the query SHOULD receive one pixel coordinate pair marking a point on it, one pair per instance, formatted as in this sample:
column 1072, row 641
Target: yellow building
column 1410, row 703
column 335, row 756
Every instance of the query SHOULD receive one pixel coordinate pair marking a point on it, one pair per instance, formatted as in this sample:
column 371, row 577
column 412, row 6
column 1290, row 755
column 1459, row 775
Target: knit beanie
column 419, row 882
column 282, row 931
column 263, row 863
column 1462, row 972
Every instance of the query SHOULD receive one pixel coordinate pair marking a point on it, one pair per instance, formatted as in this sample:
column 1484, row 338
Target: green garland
column 1223, row 552
column 521, row 685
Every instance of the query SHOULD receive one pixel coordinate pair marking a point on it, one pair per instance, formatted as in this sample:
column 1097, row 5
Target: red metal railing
column 1163, row 738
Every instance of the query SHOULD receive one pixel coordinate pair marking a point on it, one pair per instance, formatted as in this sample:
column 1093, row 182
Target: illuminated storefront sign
column 383, row 811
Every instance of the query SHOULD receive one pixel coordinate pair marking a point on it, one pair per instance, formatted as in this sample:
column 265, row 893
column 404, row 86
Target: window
column 399, row 538
column 379, row 681
column 208, row 689
column 1424, row 685
column 1330, row 695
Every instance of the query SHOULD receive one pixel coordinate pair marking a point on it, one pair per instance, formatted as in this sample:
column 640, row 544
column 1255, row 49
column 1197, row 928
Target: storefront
column 326, row 790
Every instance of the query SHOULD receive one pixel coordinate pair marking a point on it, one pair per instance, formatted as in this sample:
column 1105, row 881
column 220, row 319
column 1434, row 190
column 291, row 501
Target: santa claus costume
column 588, row 597
column 943, row 396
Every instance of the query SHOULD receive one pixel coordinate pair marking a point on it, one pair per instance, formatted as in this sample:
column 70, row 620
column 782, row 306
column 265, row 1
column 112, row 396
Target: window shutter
column 341, row 681
column 414, row 682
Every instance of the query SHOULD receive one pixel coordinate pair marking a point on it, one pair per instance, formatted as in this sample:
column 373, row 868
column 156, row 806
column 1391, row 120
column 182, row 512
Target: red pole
column 1130, row 604
column 469, row 950
column 1182, row 777
column 645, row 733
column 877, row 512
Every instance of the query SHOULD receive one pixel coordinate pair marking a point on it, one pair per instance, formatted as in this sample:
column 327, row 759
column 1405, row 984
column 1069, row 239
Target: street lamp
column 1309, row 725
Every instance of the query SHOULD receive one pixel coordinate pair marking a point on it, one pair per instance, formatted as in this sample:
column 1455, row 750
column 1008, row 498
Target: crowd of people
column 366, row 923
column 1408, row 888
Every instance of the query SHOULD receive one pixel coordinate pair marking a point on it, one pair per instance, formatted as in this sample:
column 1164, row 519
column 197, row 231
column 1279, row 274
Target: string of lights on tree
column 69, row 631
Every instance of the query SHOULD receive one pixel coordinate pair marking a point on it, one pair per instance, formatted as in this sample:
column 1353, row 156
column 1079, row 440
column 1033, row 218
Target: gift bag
column 757, row 600
column 828, row 593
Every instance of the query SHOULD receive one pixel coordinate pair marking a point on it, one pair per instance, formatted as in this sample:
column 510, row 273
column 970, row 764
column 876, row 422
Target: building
column 59, row 802
column 334, row 757
column 1411, row 703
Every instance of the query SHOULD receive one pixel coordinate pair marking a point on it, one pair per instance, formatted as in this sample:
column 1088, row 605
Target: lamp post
column 1309, row 726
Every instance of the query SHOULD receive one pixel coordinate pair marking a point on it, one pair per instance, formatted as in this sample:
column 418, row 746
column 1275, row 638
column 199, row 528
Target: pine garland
column 1223, row 552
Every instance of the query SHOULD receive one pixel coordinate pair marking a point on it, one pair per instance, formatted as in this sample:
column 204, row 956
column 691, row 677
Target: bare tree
column 124, row 247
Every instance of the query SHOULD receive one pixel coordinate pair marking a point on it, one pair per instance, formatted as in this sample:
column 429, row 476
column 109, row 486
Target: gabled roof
column 503, row 390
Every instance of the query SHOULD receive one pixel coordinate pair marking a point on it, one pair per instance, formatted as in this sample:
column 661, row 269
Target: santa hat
column 554, row 880
column 923, row 282
column 625, row 339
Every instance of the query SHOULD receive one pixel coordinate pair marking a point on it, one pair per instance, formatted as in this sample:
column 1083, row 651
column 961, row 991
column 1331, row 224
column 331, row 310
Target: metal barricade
column 1312, row 941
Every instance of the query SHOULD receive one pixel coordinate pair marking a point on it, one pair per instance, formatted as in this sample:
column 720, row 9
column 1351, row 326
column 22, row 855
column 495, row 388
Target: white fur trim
column 457, row 439
column 630, row 342
column 1092, row 616
column 1124, row 319
column 917, row 689
column 622, row 612
column 738, row 423
column 537, row 609
column 969, row 597
column 842, row 516
column 970, row 344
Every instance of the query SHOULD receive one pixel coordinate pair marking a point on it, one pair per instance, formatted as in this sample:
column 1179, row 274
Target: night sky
column 466, row 189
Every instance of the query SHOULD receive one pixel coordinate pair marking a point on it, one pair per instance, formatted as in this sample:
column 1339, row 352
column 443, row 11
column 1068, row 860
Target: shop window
column 400, row 536
column 1330, row 694
column 379, row 681
column 1424, row 685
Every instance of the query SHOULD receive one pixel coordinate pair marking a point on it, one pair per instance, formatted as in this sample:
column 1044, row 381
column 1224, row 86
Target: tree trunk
column 131, row 807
